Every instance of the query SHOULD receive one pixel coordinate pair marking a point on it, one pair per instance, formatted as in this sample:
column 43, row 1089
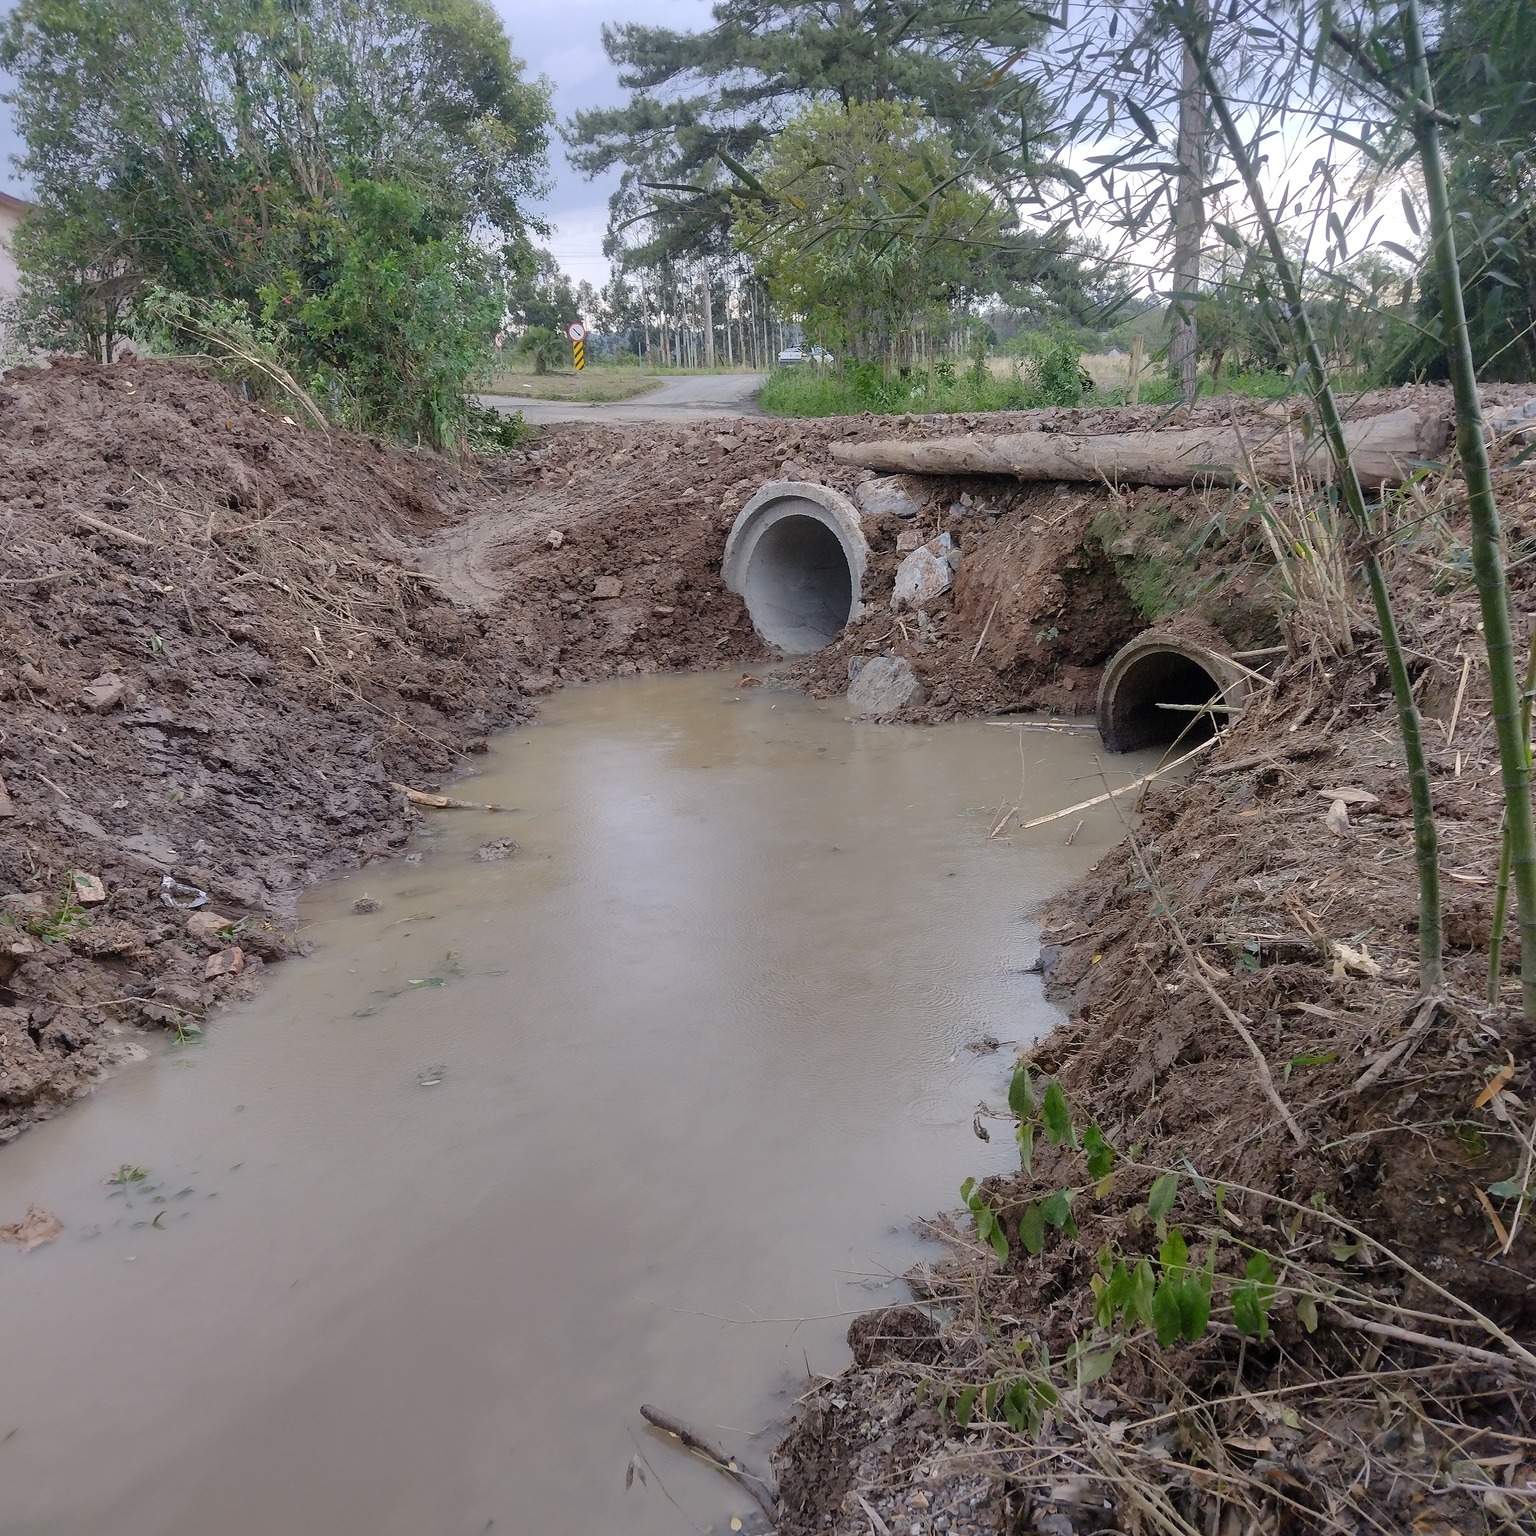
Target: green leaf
column 1194, row 1307
column 1032, row 1228
column 1022, row 1099
column 1027, row 1146
column 965, row 1405
column 1507, row 1189
column 1089, row 1367
column 1259, row 1268
column 1174, row 1254
column 1164, row 1192
column 1245, row 1311
column 1142, row 1287
column 965, row 1190
column 1306, row 1310
column 1057, row 1208
column 1167, row 1319
column 1101, row 1156
column 1053, row 1110
column 1411, row 213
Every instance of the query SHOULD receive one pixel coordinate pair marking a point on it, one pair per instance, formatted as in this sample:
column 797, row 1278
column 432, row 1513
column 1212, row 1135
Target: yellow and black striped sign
column 580, row 348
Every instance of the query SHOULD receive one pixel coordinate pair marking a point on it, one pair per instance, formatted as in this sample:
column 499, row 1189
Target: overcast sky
column 563, row 40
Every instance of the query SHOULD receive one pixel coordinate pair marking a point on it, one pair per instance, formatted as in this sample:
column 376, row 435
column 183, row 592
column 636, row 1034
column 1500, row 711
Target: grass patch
column 803, row 391
column 1004, row 386
column 592, row 385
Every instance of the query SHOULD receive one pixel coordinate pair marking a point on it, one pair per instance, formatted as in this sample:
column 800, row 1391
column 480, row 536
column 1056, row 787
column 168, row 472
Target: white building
column 12, row 211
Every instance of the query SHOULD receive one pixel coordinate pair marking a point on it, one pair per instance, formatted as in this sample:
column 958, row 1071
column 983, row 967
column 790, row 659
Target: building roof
column 15, row 204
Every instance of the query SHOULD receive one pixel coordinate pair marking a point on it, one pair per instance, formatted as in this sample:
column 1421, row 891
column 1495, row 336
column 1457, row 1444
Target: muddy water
column 641, row 1115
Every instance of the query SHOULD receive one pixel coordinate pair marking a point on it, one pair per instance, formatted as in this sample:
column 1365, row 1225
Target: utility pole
column 709, row 321
column 1189, row 217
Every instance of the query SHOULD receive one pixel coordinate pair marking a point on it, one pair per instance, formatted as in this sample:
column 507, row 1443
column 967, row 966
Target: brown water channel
column 642, row 1115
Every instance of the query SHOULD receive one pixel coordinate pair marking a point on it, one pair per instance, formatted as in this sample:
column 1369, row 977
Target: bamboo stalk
column 1487, row 539
column 1425, row 836
column 1501, row 892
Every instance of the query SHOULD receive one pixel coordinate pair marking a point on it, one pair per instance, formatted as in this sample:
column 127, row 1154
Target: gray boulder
column 891, row 496
column 882, row 685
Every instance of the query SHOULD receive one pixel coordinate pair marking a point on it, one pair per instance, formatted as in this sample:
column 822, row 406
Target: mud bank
column 1366, row 1404
column 224, row 637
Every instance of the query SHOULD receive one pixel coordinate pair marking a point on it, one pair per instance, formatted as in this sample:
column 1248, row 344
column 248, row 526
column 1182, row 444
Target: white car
column 791, row 355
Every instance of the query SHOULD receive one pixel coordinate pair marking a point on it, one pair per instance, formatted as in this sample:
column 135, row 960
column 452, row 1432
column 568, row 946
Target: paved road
column 696, row 397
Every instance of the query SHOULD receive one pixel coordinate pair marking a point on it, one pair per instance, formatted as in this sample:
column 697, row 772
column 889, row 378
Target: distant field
column 593, row 385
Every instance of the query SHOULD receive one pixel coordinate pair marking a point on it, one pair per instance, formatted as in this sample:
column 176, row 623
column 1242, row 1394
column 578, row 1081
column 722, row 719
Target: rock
column 149, row 845
column 37, row 1226
column 607, row 586
column 104, row 692
column 497, row 848
column 366, row 904
column 89, row 891
column 73, row 819
column 207, row 926
column 6, row 807
column 26, row 904
column 19, row 946
column 554, row 538
column 227, row 962
column 34, row 679
column 891, row 496
column 882, row 685
column 908, row 540
column 924, row 574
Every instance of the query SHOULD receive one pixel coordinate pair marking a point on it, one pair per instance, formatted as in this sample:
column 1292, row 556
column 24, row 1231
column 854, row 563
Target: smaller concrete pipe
column 1160, row 668
column 796, row 555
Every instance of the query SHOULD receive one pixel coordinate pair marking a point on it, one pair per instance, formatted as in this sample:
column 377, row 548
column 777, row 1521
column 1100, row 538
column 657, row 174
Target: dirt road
column 692, row 398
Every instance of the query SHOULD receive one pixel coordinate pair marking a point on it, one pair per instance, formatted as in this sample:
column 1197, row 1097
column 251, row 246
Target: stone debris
column 925, row 574
column 891, row 496
column 607, row 586
column 366, row 904
column 498, row 848
column 207, row 927
column 227, row 962
column 36, row 1227
column 88, row 889
column 104, row 692
column 882, row 685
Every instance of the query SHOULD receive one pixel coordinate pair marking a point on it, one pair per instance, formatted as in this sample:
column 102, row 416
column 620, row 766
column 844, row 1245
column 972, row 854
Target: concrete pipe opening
column 796, row 556
column 1153, row 687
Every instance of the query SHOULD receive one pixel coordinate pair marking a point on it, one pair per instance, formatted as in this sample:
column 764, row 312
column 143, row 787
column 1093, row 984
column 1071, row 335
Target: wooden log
column 1385, row 450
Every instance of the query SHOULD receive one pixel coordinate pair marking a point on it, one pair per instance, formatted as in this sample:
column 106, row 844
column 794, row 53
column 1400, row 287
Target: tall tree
column 702, row 102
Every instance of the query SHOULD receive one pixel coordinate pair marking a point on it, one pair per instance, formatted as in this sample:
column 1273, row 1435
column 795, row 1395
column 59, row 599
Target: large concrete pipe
column 1159, row 669
column 796, row 555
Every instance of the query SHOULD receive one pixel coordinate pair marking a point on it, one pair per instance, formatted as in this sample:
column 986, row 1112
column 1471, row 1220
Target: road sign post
column 578, row 335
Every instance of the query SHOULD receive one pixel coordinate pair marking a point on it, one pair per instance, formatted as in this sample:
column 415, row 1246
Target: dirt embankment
column 1386, row 1392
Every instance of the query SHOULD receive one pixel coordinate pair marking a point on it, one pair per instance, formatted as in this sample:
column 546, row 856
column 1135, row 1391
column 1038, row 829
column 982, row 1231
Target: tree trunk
column 1384, row 450
column 1189, row 223
column 709, row 322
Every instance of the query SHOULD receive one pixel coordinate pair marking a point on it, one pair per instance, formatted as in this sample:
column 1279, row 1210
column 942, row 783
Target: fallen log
column 1385, row 450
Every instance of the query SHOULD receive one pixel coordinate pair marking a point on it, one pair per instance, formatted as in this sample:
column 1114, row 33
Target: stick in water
column 1125, row 789
column 675, row 1427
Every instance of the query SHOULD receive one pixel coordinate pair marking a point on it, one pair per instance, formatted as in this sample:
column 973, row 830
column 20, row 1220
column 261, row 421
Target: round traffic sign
column 576, row 331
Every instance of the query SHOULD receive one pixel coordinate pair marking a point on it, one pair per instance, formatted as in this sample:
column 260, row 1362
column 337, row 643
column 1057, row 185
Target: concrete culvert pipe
column 1157, row 669
column 796, row 555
